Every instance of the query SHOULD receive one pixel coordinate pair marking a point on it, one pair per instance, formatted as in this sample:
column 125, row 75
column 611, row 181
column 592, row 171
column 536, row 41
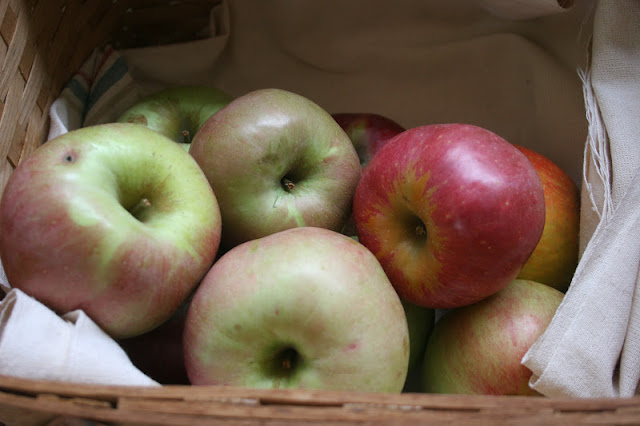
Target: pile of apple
column 278, row 245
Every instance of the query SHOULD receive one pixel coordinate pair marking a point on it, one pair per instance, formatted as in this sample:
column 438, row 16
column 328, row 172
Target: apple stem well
column 417, row 228
column 186, row 136
column 288, row 184
column 140, row 208
column 284, row 362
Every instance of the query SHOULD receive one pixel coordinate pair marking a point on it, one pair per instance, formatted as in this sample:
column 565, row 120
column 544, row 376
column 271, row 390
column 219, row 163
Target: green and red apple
column 478, row 349
column 276, row 160
column 301, row 308
column 555, row 258
column 178, row 112
column 451, row 211
column 113, row 219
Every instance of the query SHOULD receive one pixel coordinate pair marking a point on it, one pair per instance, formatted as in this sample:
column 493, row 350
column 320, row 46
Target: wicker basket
column 42, row 45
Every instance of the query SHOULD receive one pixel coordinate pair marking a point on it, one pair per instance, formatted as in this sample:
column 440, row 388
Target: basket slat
column 201, row 404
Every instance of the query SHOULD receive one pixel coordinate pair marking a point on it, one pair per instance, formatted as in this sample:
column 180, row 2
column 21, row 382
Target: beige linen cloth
column 517, row 67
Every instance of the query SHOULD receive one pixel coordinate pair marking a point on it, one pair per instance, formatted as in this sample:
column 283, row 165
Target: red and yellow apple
column 555, row 258
column 451, row 211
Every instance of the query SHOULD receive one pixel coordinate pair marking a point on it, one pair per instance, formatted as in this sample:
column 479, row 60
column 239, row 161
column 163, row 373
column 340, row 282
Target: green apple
column 420, row 321
column 276, row 160
column 478, row 349
column 114, row 219
column 301, row 308
column 177, row 112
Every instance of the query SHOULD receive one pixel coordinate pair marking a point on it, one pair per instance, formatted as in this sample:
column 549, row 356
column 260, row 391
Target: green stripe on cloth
column 110, row 77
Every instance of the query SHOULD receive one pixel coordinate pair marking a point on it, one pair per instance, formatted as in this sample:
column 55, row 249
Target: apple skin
column 368, row 131
column 420, row 321
column 451, row 211
column 175, row 110
column 77, row 232
column 477, row 349
column 306, row 291
column 276, row 160
column 158, row 353
column 555, row 258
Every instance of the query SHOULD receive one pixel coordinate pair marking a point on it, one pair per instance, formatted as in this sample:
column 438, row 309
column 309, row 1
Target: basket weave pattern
column 43, row 43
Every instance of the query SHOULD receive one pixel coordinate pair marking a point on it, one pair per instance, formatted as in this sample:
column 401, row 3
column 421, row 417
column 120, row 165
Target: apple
column 114, row 219
column 420, row 321
column 477, row 349
column 276, row 160
column 304, row 308
column 177, row 112
column 451, row 211
column 555, row 258
column 158, row 353
column 367, row 131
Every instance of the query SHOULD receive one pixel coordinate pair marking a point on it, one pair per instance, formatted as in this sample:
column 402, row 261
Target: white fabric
column 592, row 346
column 35, row 343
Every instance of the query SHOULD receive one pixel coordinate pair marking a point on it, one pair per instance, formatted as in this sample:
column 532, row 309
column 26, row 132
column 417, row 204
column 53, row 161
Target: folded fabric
column 526, row 9
column 98, row 92
column 592, row 346
column 36, row 343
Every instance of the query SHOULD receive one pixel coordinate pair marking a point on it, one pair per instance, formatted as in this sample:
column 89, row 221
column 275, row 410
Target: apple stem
column 187, row 136
column 421, row 231
column 288, row 184
column 142, row 205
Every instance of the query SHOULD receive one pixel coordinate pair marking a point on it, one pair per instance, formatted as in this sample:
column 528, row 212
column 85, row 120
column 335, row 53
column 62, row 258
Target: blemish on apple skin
column 138, row 119
column 352, row 346
column 69, row 157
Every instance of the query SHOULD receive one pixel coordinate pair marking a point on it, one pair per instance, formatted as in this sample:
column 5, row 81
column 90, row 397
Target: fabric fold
column 526, row 9
column 36, row 343
column 592, row 346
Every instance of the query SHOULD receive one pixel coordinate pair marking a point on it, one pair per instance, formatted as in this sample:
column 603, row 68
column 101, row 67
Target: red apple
column 477, row 349
column 368, row 132
column 451, row 211
column 555, row 258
